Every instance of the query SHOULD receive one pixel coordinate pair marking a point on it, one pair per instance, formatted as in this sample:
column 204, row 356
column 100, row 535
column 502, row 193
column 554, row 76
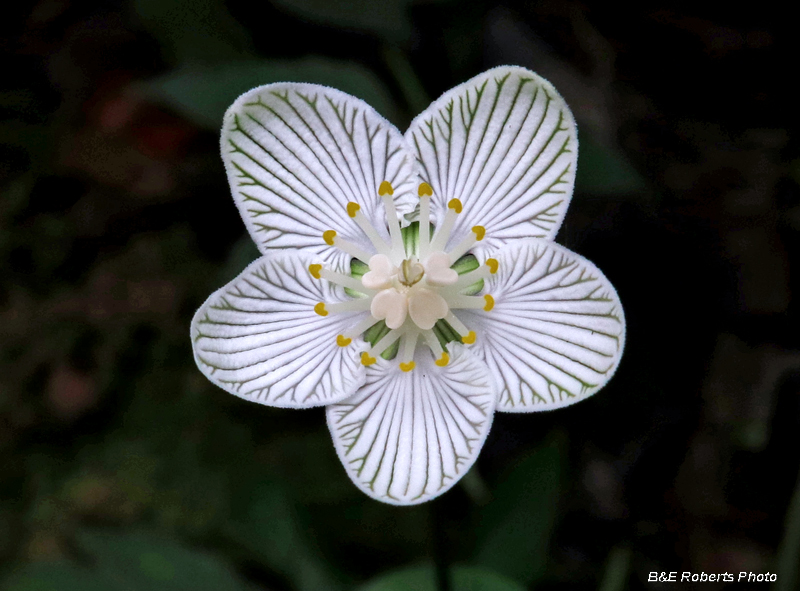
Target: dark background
column 123, row 468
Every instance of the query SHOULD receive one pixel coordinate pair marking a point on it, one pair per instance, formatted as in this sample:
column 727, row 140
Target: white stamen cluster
column 409, row 292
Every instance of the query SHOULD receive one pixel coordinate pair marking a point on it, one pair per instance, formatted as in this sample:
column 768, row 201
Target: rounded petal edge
column 407, row 437
column 505, row 145
column 260, row 338
column 556, row 333
column 296, row 154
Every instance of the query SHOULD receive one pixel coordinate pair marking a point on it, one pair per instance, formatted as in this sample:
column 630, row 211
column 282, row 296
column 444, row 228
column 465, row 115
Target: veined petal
column 556, row 332
column 407, row 437
column 505, row 145
column 260, row 338
column 297, row 154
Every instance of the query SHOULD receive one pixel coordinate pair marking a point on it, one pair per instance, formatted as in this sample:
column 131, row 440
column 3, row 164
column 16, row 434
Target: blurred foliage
column 788, row 558
column 129, row 562
column 194, row 30
column 513, row 531
column 462, row 578
column 617, row 571
column 202, row 94
column 604, row 171
column 266, row 525
column 388, row 19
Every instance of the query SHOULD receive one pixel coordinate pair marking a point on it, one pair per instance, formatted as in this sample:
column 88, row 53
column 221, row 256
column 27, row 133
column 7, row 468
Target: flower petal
column 390, row 305
column 505, row 145
column 425, row 307
column 437, row 270
column 380, row 272
column 260, row 338
column 556, row 332
column 406, row 438
column 296, row 154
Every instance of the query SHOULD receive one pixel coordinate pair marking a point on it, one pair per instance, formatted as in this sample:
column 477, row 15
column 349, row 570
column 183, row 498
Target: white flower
column 326, row 187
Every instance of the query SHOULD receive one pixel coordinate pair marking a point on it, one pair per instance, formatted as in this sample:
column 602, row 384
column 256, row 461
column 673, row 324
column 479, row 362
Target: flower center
column 411, row 272
column 415, row 293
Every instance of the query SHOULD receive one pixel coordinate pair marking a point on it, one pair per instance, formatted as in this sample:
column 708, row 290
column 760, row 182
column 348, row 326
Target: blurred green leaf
column 203, row 93
column 142, row 561
column 270, row 530
column 513, row 531
column 423, row 578
column 242, row 253
column 60, row 576
column 129, row 562
column 388, row 18
column 788, row 558
column 408, row 81
column 618, row 566
column 604, row 171
column 794, row 170
column 37, row 140
column 195, row 30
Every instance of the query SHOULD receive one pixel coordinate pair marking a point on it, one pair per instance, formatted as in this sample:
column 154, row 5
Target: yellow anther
column 443, row 360
column 424, row 189
column 455, row 204
column 320, row 309
column 367, row 359
column 489, row 302
column 342, row 341
column 480, row 232
column 386, row 187
column 492, row 264
column 407, row 366
column 469, row 339
column 328, row 236
column 352, row 208
column 314, row 270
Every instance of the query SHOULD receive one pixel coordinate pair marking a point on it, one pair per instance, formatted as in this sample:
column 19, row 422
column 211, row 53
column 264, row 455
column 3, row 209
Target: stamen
column 357, row 305
column 476, row 235
column 320, row 309
column 361, row 327
column 353, row 209
column 436, row 348
column 471, row 302
column 467, row 336
column 471, row 277
column 443, row 234
column 407, row 356
column 385, row 191
column 425, row 191
column 343, row 341
column 343, row 280
column 381, row 346
column 470, row 338
column 330, row 237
